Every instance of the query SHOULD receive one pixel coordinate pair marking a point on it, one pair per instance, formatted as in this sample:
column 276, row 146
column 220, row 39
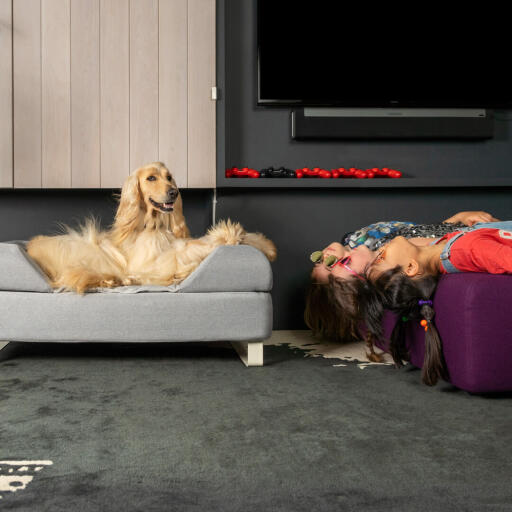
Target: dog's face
column 157, row 187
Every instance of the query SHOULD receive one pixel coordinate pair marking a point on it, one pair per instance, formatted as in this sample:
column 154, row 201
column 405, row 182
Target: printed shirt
column 376, row 235
column 480, row 250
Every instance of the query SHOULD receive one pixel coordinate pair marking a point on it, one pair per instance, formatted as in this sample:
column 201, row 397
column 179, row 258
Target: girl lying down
column 405, row 277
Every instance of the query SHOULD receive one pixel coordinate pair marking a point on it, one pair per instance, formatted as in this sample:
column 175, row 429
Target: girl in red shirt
column 405, row 277
column 480, row 248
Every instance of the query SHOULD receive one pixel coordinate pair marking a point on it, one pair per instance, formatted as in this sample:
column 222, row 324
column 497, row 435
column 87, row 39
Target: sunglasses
column 331, row 261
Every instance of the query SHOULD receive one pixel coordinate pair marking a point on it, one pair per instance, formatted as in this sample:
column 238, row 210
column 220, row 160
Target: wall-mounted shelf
column 388, row 183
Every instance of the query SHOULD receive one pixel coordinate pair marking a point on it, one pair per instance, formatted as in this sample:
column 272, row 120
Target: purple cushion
column 473, row 316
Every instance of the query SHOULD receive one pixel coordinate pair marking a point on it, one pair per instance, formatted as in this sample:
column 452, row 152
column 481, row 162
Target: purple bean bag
column 473, row 316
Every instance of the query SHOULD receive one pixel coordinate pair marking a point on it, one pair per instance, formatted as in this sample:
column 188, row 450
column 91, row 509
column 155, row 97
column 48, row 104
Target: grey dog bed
column 227, row 298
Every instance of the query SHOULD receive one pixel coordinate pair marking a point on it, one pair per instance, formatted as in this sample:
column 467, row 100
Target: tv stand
column 391, row 123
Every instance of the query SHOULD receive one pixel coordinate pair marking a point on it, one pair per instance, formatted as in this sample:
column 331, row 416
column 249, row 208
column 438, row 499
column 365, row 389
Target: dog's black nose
column 173, row 194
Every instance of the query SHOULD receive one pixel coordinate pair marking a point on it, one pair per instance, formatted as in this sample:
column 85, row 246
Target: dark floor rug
column 151, row 427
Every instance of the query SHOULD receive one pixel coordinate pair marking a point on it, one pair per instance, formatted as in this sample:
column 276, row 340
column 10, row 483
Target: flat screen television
column 359, row 54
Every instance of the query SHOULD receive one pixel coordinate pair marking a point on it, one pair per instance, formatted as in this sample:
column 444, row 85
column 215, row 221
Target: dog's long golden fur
column 149, row 242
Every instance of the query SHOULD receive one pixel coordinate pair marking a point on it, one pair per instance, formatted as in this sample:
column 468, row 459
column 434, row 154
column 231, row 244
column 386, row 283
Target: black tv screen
column 335, row 53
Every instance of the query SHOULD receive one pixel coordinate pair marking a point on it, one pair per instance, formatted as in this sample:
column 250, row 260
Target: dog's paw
column 80, row 280
column 110, row 283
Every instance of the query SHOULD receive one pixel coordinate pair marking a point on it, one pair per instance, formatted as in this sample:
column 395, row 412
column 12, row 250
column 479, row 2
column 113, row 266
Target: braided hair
column 410, row 298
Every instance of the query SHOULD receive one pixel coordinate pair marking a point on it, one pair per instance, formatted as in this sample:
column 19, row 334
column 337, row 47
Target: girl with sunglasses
column 340, row 297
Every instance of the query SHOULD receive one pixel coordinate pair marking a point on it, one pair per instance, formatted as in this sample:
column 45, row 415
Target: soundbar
column 382, row 123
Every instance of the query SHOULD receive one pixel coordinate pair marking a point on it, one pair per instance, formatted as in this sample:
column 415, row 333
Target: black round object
column 276, row 173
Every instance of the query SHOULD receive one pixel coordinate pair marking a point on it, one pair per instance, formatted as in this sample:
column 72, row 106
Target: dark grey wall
column 303, row 220
column 25, row 213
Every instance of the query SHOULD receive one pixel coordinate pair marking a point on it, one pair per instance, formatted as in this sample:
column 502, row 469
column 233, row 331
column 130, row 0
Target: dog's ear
column 130, row 192
column 131, row 208
column 178, row 225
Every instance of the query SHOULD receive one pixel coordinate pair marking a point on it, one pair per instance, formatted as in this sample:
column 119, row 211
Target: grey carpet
column 189, row 428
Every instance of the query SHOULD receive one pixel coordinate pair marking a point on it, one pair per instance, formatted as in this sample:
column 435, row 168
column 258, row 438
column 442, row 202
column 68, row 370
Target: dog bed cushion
column 229, row 268
column 18, row 271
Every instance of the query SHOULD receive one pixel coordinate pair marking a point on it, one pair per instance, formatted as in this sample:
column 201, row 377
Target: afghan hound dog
column 148, row 243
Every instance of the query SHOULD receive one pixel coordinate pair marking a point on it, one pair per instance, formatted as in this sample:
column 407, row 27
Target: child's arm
column 470, row 218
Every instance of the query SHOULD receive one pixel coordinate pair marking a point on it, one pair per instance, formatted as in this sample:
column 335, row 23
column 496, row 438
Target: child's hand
column 470, row 218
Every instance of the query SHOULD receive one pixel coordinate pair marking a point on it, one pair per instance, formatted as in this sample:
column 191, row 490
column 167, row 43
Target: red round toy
column 311, row 172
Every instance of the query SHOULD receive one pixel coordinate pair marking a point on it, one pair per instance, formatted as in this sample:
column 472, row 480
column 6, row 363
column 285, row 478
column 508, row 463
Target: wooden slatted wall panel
column 143, row 82
column 27, row 93
column 102, row 87
column 115, row 92
column 55, row 94
column 85, row 93
column 5, row 93
column 201, row 108
column 173, row 93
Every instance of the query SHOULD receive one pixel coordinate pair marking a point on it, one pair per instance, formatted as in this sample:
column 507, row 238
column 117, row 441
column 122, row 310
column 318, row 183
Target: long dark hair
column 339, row 309
column 411, row 299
